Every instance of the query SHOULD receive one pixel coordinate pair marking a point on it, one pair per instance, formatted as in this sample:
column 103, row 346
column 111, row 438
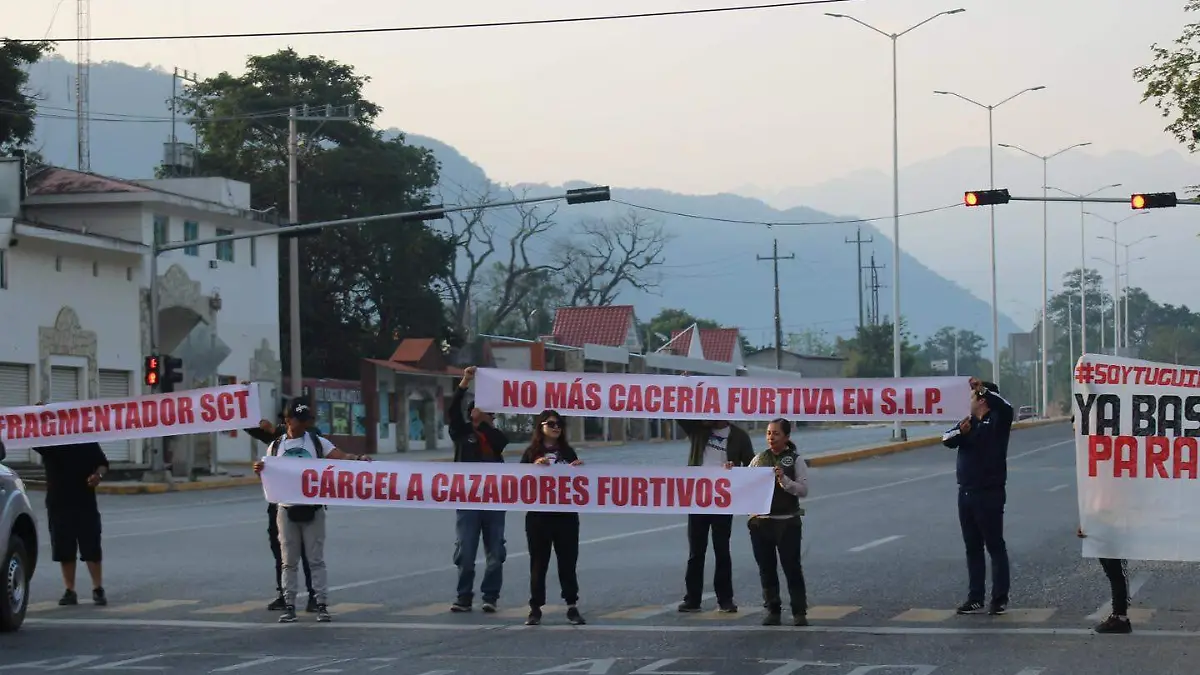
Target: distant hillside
column 711, row 267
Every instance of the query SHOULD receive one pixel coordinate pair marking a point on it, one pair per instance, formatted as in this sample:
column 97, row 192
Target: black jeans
column 1117, row 571
column 544, row 533
column 698, row 527
column 273, row 536
column 981, row 516
column 779, row 538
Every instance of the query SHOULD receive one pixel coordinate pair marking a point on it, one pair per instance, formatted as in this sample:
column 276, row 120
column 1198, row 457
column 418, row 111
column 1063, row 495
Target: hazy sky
column 773, row 98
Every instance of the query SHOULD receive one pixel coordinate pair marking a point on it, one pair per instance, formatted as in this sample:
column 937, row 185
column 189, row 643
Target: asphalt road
column 189, row 576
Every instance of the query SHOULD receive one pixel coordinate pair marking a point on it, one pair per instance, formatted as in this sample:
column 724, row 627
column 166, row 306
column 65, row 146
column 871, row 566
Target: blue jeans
column 470, row 527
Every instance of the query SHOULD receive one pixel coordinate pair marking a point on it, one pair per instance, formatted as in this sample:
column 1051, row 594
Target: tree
column 1172, row 81
column 363, row 287
column 607, row 256
column 810, row 342
column 958, row 347
column 18, row 104
column 869, row 352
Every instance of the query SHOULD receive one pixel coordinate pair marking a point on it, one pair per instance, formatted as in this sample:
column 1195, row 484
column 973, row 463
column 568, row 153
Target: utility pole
column 294, row 116
column 873, row 312
column 83, row 69
column 858, row 241
column 775, row 258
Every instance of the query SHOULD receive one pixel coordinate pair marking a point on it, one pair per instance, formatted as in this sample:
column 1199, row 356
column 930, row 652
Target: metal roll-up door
column 115, row 384
column 64, row 384
column 14, row 392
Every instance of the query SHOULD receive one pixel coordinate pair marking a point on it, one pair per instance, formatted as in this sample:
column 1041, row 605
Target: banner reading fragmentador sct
column 519, row 487
column 1137, row 427
column 631, row 395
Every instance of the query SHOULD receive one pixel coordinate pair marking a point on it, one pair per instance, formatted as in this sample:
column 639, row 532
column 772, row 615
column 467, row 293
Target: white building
column 74, row 270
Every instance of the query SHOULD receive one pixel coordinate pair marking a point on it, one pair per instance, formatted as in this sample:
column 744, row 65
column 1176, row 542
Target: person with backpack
column 266, row 432
column 302, row 526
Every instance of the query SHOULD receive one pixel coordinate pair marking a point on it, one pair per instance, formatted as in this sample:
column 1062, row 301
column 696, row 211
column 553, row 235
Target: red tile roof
column 680, row 343
column 405, row 368
column 719, row 343
column 57, row 181
column 411, row 350
column 606, row 326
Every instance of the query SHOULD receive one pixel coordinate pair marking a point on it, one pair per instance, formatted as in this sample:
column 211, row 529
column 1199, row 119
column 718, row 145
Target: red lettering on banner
column 579, row 488
column 575, row 395
column 87, row 420
column 510, row 393
column 416, row 488
column 593, row 396
column 1099, row 450
column 616, row 399
column 208, row 410
column 345, row 485
column 362, row 485
column 1192, row 462
column 491, row 490
column 933, row 396
column 309, row 483
column 1125, row 456
column 704, row 493
column 68, row 421
column 31, row 425
column 458, row 488
column 439, row 487
column 639, row 495
column 1183, row 452
column 1158, row 451
column 47, row 426
column 328, row 483
column 528, row 489
column 184, row 414
column 475, row 494
column 556, row 395
column 887, row 404
column 721, row 488
column 382, row 481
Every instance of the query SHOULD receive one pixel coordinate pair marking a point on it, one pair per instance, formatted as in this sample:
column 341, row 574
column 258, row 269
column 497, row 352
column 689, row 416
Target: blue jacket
column 983, row 448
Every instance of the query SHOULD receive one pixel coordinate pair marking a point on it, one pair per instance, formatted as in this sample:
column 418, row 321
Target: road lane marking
column 1056, row 488
column 150, row 606
column 348, row 607
column 667, row 528
column 1135, row 585
column 236, row 608
column 519, row 612
column 120, row 624
column 1026, row 615
column 425, row 610
column 648, row 611
column 877, row 542
column 831, row 612
column 924, row 615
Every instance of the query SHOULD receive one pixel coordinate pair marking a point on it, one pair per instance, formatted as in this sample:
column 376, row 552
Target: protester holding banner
column 72, row 473
column 267, row 432
column 302, row 526
column 713, row 443
column 476, row 440
column 549, row 531
column 982, row 444
column 1117, row 571
column 779, row 532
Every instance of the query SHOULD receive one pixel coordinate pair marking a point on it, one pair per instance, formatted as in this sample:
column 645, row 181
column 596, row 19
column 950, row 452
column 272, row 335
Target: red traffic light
column 152, row 369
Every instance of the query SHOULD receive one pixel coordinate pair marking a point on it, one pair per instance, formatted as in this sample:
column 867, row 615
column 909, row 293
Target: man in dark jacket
column 72, row 474
column 982, row 444
column 713, row 443
column 476, row 439
column 267, row 433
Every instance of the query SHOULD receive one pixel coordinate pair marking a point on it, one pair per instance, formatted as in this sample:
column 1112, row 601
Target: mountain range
column 712, row 268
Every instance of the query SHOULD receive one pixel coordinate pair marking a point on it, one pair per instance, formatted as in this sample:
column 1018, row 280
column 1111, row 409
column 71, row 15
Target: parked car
column 1025, row 412
column 19, row 546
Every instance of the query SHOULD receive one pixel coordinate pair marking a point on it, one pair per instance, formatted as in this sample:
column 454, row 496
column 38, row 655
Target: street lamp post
column 898, row 432
column 1045, row 257
column 992, row 180
column 1083, row 263
column 1116, row 282
column 1124, row 319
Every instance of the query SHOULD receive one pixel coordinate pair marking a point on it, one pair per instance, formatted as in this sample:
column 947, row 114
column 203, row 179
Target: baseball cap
column 299, row 408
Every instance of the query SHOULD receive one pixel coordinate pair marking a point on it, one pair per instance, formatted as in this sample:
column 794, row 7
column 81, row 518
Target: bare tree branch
column 609, row 257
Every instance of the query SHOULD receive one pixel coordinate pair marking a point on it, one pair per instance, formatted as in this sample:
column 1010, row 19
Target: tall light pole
column 1083, row 264
column 992, row 173
column 1129, row 286
column 1045, row 257
column 898, row 432
column 1117, row 281
column 1124, row 323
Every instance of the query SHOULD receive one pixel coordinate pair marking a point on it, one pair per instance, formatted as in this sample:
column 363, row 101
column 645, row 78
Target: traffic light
column 172, row 368
column 986, row 197
column 151, row 376
column 1153, row 200
column 588, row 195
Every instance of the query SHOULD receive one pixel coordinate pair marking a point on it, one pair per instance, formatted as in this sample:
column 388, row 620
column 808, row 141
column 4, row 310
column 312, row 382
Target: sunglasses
column 551, row 424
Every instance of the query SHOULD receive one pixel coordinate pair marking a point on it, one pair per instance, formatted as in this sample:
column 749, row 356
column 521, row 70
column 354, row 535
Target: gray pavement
column 189, row 576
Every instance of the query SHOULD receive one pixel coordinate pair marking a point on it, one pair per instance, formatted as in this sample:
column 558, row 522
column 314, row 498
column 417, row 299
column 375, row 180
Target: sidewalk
column 235, row 475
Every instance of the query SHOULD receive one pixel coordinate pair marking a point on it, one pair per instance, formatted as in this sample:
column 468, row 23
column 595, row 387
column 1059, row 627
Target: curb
column 904, row 446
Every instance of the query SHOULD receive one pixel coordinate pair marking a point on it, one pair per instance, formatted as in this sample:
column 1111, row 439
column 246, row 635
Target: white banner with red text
column 1137, row 458
column 631, row 395
column 519, row 487
column 194, row 411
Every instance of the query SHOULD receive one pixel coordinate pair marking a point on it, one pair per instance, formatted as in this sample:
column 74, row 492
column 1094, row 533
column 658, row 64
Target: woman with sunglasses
column 547, row 531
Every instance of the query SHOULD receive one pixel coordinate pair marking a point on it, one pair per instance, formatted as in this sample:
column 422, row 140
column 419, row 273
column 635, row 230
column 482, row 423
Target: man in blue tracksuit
column 982, row 443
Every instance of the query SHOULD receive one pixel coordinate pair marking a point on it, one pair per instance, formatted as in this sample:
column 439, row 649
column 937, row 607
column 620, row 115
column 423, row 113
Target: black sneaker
column 1115, row 624
column 460, row 606
column 323, row 615
column 277, row 605
column 534, row 618
column 772, row 618
column 689, row 607
column 488, row 608
column 68, row 598
column 312, row 605
column 98, row 597
column 575, row 617
column 799, row 620
column 997, row 609
column 970, row 607
column 727, row 607
column 289, row 614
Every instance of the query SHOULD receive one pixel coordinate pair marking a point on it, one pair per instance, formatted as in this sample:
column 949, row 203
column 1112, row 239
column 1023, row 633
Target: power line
column 737, row 221
column 455, row 26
